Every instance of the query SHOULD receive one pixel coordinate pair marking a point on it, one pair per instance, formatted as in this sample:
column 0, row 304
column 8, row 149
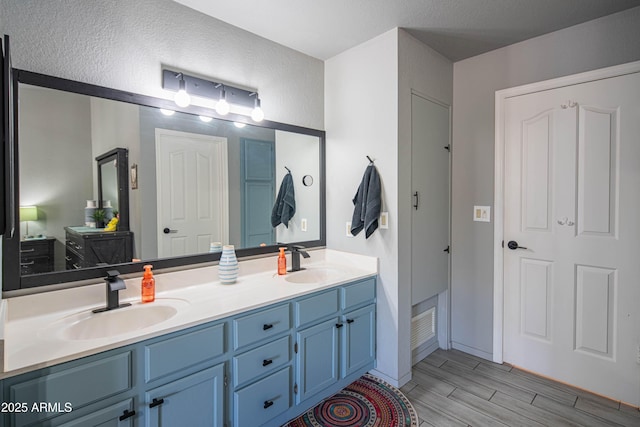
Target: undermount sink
column 88, row 325
column 313, row 275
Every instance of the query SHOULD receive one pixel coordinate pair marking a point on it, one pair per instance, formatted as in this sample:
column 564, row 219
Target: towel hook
column 288, row 170
column 370, row 161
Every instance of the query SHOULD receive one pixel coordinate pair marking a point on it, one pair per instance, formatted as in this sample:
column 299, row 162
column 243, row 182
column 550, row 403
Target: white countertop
column 32, row 339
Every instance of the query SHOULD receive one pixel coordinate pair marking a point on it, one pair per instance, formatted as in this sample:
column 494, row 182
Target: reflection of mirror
column 113, row 193
column 201, row 181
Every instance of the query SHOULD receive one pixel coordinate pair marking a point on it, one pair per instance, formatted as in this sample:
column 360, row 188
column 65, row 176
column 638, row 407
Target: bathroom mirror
column 194, row 178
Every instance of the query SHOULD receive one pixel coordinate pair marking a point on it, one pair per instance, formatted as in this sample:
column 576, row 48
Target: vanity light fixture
column 205, row 119
column 222, row 107
column 239, row 125
column 225, row 96
column 167, row 112
column 182, row 98
column 257, row 114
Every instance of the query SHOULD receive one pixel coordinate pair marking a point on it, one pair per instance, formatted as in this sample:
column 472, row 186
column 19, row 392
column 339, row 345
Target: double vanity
column 258, row 352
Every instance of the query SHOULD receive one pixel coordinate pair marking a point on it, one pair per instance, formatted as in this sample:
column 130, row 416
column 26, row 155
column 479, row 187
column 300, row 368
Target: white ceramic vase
column 228, row 266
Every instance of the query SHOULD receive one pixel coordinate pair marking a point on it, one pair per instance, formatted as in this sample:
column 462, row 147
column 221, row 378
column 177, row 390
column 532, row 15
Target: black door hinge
column 447, row 147
column 447, row 250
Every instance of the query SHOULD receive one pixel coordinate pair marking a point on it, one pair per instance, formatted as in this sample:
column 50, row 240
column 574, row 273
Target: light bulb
column 167, row 112
column 239, row 125
column 257, row 114
column 182, row 98
column 205, row 119
column 222, row 107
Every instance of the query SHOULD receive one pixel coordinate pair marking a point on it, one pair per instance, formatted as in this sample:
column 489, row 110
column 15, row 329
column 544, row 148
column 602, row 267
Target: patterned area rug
column 368, row 402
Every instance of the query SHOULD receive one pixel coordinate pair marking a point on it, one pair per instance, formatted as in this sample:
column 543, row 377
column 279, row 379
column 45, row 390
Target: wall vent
column 423, row 328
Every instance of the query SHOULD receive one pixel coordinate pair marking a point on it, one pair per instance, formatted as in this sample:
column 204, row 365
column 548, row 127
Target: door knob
column 167, row 230
column 513, row 245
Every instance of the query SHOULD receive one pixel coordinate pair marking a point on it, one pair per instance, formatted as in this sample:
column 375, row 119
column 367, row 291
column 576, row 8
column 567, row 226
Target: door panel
column 430, row 180
column 571, row 199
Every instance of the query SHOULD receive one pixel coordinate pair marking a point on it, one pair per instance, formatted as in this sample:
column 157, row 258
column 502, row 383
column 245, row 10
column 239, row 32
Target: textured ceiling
column 457, row 29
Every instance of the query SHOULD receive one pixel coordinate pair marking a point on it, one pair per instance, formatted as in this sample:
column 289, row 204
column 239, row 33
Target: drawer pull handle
column 26, row 251
column 76, row 266
column 25, row 264
column 267, row 362
column 267, row 327
column 127, row 414
column 267, row 403
column 350, row 320
column 339, row 325
column 156, row 402
column 68, row 258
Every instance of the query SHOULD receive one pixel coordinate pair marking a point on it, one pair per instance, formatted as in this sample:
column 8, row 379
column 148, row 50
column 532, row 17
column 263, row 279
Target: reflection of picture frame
column 134, row 176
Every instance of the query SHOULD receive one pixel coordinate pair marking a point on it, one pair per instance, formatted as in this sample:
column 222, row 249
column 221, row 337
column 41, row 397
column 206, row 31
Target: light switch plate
column 383, row 222
column 348, row 229
column 303, row 224
column 482, row 213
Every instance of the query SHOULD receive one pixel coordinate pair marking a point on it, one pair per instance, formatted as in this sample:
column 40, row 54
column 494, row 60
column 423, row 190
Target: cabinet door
column 118, row 415
column 196, row 400
column 317, row 358
column 359, row 339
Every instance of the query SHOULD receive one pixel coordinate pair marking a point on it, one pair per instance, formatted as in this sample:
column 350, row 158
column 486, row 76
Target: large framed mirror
column 180, row 179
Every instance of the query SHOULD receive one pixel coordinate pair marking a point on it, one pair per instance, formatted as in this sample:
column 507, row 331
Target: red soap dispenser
column 148, row 285
column 282, row 262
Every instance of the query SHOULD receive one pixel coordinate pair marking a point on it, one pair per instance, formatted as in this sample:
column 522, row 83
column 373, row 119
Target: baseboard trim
column 396, row 383
column 425, row 352
column 472, row 351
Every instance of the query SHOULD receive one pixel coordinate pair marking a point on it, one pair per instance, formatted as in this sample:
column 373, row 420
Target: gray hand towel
column 367, row 203
column 285, row 205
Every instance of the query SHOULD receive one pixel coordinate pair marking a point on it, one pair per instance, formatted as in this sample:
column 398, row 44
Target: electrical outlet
column 303, row 224
column 348, row 229
column 482, row 213
column 383, row 222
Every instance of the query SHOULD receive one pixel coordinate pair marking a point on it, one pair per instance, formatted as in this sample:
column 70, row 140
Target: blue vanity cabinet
column 119, row 414
column 195, row 400
column 99, row 387
column 318, row 358
column 359, row 339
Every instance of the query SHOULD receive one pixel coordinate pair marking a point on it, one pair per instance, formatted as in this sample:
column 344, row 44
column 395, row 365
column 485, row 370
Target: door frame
column 499, row 167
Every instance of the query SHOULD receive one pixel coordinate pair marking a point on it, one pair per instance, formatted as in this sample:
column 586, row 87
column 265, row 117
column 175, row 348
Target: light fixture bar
column 208, row 89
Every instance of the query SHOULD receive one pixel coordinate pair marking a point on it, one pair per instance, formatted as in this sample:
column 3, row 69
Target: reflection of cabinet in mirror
column 88, row 247
column 36, row 255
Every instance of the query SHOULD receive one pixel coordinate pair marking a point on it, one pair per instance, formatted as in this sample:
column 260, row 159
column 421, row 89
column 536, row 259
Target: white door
column 430, row 186
column 572, row 196
column 193, row 206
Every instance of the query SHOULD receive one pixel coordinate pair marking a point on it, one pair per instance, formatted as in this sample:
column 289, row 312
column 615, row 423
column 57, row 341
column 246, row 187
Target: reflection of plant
column 99, row 216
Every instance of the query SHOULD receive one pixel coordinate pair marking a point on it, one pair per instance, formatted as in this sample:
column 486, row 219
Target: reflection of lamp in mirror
column 257, row 114
column 182, row 98
column 28, row 213
column 222, row 107
column 206, row 119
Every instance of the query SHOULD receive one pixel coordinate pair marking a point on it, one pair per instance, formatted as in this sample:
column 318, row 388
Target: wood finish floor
column 452, row 388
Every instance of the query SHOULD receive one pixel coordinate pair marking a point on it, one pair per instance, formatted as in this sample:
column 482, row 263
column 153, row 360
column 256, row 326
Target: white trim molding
column 498, row 233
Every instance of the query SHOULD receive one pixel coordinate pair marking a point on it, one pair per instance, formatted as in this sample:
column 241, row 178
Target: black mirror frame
column 11, row 278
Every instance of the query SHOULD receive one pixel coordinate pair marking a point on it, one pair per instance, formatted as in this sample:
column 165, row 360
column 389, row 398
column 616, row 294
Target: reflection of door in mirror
column 257, row 188
column 192, row 192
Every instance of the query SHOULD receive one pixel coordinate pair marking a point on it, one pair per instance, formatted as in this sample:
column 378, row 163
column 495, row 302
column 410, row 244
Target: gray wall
column 61, row 193
column 596, row 44
column 125, row 44
column 360, row 122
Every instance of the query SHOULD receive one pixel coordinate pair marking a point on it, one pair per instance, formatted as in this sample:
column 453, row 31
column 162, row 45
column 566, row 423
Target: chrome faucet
column 296, row 251
column 114, row 285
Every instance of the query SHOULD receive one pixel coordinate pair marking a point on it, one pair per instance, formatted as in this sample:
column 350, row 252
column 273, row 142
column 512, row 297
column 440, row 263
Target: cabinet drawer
column 261, row 325
column 359, row 293
column 264, row 359
column 177, row 353
column 79, row 386
column 34, row 248
column 263, row 400
column 316, row 307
